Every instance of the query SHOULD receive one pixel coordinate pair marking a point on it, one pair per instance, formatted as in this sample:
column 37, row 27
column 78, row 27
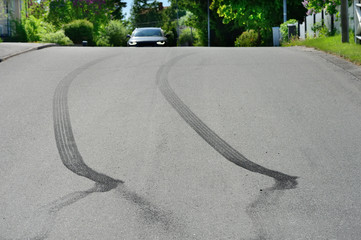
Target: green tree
column 116, row 12
column 221, row 34
column 315, row 6
column 37, row 9
column 60, row 12
column 144, row 14
column 189, row 37
column 260, row 15
column 98, row 12
column 169, row 23
column 199, row 10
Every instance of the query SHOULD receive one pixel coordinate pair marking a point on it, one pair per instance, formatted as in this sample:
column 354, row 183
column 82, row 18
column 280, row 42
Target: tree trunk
column 344, row 21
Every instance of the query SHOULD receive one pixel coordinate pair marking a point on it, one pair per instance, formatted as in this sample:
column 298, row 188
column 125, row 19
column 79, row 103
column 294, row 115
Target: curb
column 27, row 50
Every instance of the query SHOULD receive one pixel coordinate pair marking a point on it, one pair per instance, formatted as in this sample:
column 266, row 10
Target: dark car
column 147, row 37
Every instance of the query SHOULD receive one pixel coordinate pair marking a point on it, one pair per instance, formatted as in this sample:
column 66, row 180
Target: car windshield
column 147, row 33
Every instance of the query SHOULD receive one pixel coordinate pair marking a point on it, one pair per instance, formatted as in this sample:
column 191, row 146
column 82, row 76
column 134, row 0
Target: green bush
column 32, row 29
column 79, row 31
column 18, row 33
column 322, row 30
column 172, row 37
column 189, row 37
column 248, row 38
column 284, row 29
column 186, row 38
column 103, row 41
column 57, row 37
column 1, row 40
column 113, row 34
column 35, row 28
column 29, row 29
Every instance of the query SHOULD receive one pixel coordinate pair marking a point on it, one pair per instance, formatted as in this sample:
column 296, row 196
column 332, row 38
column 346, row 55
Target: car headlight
column 160, row 42
column 132, row 43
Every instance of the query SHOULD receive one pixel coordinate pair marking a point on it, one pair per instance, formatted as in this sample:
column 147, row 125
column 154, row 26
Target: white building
column 9, row 9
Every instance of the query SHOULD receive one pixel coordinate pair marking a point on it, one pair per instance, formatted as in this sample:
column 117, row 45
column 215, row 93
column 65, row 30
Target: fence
column 306, row 28
column 357, row 20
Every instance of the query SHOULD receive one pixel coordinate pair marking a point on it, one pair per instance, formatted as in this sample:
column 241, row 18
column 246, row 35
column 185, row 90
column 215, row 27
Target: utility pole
column 176, row 2
column 344, row 21
column 209, row 26
column 284, row 10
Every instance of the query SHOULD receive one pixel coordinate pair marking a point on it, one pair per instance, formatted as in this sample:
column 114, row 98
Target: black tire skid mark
column 64, row 136
column 269, row 196
column 36, row 227
column 282, row 181
column 73, row 160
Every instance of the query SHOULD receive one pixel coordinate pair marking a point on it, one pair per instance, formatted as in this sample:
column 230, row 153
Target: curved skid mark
column 64, row 136
column 283, row 181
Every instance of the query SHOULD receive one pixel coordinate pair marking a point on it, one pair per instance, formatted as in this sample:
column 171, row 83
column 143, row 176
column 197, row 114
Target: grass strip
column 350, row 51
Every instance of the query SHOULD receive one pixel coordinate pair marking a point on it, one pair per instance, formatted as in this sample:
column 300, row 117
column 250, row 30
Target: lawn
column 350, row 51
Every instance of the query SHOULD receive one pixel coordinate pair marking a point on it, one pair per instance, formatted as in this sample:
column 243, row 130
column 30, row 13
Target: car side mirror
column 128, row 36
column 167, row 35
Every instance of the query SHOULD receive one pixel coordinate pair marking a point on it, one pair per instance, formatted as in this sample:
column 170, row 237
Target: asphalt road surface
column 179, row 143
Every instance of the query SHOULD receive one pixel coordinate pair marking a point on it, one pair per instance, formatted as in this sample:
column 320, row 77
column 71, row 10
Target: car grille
column 146, row 44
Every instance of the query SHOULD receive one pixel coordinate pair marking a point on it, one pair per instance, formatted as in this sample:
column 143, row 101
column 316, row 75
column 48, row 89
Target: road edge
column 345, row 65
column 2, row 59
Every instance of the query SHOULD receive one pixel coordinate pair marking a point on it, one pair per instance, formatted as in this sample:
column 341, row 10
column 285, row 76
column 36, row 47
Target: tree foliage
column 169, row 20
column 37, row 9
column 99, row 12
column 315, row 6
column 221, row 34
column 60, row 12
column 260, row 15
column 35, row 28
column 113, row 34
column 144, row 14
column 189, row 37
column 253, row 14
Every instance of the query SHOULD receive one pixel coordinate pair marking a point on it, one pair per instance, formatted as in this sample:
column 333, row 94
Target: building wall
column 8, row 9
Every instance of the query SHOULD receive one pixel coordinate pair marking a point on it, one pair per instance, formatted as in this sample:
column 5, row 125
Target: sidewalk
column 10, row 49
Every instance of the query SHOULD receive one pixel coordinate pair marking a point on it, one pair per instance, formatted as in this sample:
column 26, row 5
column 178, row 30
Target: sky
column 130, row 3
